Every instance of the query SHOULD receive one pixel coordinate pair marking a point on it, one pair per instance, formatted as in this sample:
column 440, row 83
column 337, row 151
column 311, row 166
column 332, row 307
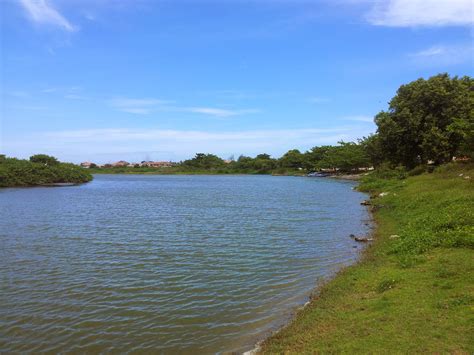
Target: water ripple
column 174, row 264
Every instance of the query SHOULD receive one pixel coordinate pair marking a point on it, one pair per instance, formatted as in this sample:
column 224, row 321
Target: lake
column 171, row 264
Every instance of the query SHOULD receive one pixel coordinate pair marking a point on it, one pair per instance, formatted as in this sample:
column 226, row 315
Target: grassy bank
column 413, row 290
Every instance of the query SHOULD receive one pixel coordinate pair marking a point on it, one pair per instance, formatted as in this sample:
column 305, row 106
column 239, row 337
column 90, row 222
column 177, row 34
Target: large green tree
column 204, row 162
column 428, row 120
column 347, row 157
column 373, row 149
column 293, row 159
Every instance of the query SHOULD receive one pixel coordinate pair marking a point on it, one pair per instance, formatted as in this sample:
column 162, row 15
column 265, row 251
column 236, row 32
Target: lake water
column 170, row 264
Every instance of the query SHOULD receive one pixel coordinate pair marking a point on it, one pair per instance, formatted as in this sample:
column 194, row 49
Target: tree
column 44, row 159
column 428, row 120
column 204, row 161
column 263, row 156
column 263, row 163
column 346, row 157
column 293, row 159
column 371, row 146
column 314, row 156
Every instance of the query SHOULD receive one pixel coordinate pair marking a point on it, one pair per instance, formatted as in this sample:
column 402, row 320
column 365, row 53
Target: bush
column 420, row 169
column 44, row 170
column 386, row 171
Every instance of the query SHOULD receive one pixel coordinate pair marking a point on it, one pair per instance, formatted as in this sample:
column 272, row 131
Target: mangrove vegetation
column 40, row 169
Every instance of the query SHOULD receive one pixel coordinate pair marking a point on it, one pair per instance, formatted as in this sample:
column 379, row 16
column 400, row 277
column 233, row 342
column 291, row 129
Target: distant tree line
column 344, row 157
column 40, row 169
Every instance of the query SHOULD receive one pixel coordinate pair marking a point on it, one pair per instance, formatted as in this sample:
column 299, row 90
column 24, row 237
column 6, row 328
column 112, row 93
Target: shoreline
column 352, row 177
column 396, row 291
column 319, row 288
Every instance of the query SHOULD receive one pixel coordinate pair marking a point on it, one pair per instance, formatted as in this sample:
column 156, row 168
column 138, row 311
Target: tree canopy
column 44, row 159
column 428, row 120
column 203, row 161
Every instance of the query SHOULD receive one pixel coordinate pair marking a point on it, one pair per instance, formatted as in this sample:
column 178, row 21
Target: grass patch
column 410, row 294
column 386, row 285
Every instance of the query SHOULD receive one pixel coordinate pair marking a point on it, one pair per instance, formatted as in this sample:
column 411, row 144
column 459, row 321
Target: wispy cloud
column 217, row 111
column 42, row 12
column 49, row 90
column 136, row 106
column 182, row 143
column 74, row 97
column 359, row 118
column 412, row 13
column 149, row 105
column 18, row 93
column 444, row 54
column 318, row 100
column 119, row 134
column 70, row 93
column 430, row 52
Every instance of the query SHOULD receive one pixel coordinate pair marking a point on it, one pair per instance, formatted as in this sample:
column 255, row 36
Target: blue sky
column 103, row 80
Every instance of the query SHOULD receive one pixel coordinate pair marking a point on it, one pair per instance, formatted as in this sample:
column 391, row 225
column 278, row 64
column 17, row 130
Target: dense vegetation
column 40, row 169
column 413, row 292
column 428, row 121
column 346, row 157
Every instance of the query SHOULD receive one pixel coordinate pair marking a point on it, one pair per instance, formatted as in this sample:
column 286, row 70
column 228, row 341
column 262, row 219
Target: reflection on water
column 178, row 264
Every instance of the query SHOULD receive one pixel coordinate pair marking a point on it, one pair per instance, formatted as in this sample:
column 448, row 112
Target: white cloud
column 444, row 55
column 318, row 100
column 360, row 118
column 118, row 142
column 136, row 106
column 49, row 90
column 42, row 12
column 74, row 97
column 412, row 13
column 150, row 105
column 218, row 112
column 19, row 93
column 430, row 52
column 118, row 134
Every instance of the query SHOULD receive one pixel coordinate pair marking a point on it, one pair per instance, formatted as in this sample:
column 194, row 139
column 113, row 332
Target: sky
column 104, row 80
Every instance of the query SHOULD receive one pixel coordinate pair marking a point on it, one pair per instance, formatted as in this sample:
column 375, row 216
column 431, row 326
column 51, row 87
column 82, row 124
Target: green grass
column 411, row 294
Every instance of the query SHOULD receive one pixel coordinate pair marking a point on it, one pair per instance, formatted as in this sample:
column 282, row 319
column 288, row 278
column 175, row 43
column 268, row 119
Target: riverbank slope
column 413, row 290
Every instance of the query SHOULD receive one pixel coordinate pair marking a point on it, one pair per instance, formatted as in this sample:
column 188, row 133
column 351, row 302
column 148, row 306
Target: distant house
column 86, row 164
column 120, row 163
column 157, row 164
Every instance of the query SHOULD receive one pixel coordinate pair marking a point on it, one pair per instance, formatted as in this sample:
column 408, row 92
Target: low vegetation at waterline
column 413, row 291
column 40, row 169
